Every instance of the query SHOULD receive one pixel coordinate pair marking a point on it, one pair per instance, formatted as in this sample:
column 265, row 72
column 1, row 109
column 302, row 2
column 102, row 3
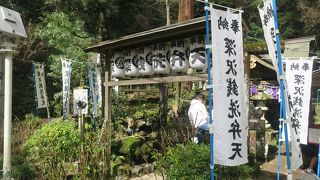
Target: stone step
column 269, row 171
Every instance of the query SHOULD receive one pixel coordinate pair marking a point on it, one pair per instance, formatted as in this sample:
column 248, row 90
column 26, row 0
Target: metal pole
column 208, row 50
column 7, row 117
column 283, row 98
column 92, row 95
column 318, row 170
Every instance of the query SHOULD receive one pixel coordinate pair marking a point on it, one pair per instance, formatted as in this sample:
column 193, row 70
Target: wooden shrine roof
column 161, row 34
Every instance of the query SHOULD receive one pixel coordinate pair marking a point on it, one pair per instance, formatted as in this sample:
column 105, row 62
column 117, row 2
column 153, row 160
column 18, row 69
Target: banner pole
column 318, row 170
column 35, row 88
column 279, row 141
column 94, row 84
column 91, row 96
column 208, row 50
column 283, row 100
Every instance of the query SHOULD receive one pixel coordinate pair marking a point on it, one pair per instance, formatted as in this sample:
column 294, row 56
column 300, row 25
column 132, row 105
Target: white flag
column 93, row 90
column 66, row 76
column 267, row 19
column 40, row 86
column 299, row 77
column 98, row 81
column 229, row 109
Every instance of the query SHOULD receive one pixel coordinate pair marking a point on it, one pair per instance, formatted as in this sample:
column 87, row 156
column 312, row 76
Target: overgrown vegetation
column 51, row 147
column 190, row 161
column 62, row 29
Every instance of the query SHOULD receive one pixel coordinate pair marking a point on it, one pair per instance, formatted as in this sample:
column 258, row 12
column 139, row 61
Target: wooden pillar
column 105, row 138
column 251, row 134
column 246, row 64
column 107, row 111
column 163, row 104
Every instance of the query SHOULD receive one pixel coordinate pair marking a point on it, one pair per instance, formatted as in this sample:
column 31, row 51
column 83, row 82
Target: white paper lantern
column 117, row 65
column 178, row 59
column 197, row 57
column 131, row 63
column 160, row 59
column 145, row 61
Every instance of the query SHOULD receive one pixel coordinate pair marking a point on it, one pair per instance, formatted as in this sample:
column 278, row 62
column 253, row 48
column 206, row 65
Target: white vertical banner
column 267, row 19
column 229, row 109
column 93, row 89
column 299, row 77
column 98, row 81
column 40, row 85
column 80, row 95
column 66, row 76
column 98, row 87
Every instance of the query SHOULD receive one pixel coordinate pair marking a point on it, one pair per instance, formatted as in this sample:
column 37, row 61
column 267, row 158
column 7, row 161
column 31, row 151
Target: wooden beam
column 257, row 59
column 157, row 80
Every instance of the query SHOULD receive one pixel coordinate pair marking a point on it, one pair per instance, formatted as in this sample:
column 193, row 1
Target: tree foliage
column 59, row 28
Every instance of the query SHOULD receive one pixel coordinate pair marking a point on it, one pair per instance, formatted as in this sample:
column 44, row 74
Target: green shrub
column 192, row 161
column 51, row 147
column 20, row 169
column 93, row 153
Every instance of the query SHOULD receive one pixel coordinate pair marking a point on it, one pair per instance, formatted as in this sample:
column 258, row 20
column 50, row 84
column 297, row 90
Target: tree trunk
column 185, row 10
column 185, row 13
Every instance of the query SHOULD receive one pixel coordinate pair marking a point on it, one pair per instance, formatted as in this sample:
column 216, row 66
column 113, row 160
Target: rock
column 142, row 169
column 128, row 144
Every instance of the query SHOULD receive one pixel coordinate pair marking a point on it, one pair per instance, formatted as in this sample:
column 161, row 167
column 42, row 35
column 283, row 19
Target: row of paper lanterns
column 162, row 58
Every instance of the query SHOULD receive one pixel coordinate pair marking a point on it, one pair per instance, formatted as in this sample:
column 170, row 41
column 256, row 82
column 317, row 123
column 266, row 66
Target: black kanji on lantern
column 177, row 56
column 149, row 57
column 232, row 67
column 119, row 63
column 235, row 26
column 236, row 149
column 230, row 45
column 159, row 61
column 223, row 23
column 232, row 87
column 198, row 54
column 234, row 106
column 235, row 129
column 135, row 61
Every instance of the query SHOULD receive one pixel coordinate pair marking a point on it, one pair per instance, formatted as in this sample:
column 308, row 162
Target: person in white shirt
column 198, row 117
